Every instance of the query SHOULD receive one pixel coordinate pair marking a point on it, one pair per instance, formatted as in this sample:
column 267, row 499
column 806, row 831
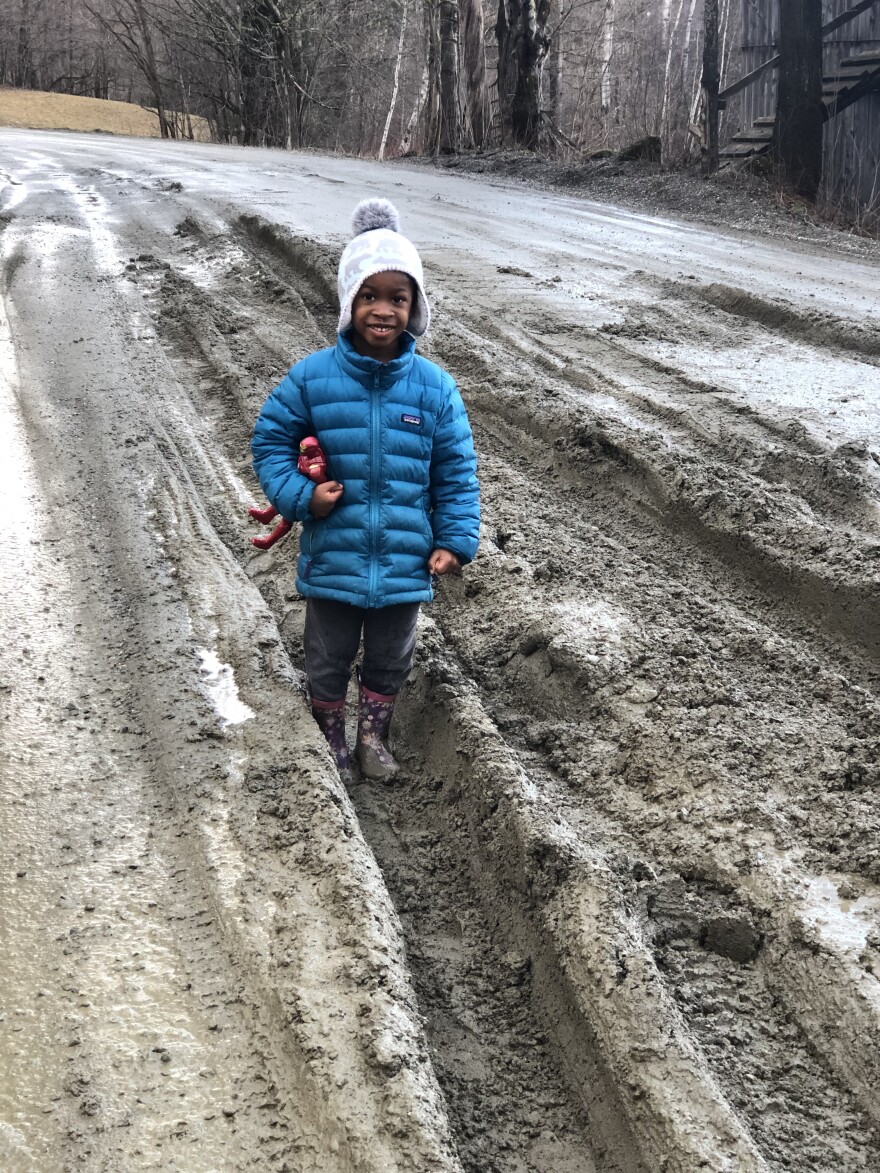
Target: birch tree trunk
column 555, row 77
column 667, row 73
column 414, row 118
column 688, row 41
column 396, row 87
column 607, row 51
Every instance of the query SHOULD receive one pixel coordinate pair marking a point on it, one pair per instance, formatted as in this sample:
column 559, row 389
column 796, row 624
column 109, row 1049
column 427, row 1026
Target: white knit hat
column 378, row 247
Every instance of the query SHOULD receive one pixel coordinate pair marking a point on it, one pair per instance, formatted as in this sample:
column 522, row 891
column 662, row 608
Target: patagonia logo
column 416, row 420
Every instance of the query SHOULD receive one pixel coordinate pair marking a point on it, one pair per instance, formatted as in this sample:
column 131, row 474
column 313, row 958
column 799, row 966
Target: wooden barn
column 850, row 94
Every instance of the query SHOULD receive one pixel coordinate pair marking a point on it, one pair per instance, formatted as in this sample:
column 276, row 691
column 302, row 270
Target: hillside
column 42, row 111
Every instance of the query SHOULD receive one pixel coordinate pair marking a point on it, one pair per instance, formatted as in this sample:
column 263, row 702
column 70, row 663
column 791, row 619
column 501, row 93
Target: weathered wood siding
column 852, row 139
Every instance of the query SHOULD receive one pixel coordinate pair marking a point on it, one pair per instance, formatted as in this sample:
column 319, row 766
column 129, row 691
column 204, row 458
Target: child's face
column 381, row 310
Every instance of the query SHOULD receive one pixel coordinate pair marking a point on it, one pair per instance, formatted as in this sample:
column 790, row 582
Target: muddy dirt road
column 622, row 912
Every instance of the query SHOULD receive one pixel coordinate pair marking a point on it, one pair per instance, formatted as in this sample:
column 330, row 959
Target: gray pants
column 332, row 637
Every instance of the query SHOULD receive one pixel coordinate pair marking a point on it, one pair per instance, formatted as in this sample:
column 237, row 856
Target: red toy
column 312, row 463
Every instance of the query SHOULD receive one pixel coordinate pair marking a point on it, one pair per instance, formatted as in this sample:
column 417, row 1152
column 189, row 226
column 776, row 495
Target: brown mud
column 622, row 911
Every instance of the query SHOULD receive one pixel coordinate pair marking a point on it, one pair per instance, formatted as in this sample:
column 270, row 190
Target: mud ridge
column 821, row 329
column 593, row 981
column 698, row 931
column 554, row 678
column 841, row 482
column 316, row 894
column 726, row 520
column 308, row 260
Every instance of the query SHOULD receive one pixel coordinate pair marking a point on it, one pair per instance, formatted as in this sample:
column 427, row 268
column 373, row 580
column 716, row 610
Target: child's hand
column 324, row 498
column 443, row 562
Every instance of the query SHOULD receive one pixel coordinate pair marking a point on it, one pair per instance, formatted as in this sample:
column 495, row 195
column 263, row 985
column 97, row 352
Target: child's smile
column 380, row 314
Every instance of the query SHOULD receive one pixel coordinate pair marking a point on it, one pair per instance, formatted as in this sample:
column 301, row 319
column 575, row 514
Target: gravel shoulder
column 734, row 199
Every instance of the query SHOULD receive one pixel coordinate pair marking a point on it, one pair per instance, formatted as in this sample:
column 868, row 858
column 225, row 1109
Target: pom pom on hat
column 379, row 247
column 372, row 214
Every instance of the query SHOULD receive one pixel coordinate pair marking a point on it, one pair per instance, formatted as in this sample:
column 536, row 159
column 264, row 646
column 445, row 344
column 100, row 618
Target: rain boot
column 330, row 716
column 371, row 750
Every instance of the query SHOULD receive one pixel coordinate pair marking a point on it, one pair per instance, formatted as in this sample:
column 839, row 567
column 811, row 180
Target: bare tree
column 473, row 61
column 522, row 38
column 24, row 70
column 710, row 85
column 431, row 109
column 443, row 103
column 134, row 30
column 396, row 87
column 607, row 51
column 797, row 138
column 450, row 103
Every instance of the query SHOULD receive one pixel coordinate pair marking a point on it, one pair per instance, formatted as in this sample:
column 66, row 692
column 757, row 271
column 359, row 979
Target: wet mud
column 621, row 913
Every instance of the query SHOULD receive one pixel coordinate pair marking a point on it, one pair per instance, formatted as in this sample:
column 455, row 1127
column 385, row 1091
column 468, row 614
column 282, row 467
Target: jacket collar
column 369, row 371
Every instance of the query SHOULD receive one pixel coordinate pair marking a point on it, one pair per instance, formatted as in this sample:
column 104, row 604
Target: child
column 402, row 501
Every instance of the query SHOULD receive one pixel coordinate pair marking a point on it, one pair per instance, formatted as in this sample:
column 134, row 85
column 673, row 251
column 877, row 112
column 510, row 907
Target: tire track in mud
column 550, row 672
column 288, row 1037
column 828, row 331
column 509, row 1108
column 621, row 707
column 145, row 992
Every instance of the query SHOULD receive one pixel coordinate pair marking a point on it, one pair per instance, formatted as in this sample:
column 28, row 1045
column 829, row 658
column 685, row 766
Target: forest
column 576, row 78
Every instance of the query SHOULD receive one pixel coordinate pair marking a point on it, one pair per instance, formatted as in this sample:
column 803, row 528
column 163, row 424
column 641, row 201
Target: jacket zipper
column 374, row 489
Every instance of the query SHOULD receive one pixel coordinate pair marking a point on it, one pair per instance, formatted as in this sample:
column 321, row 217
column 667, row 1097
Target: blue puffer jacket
column 397, row 437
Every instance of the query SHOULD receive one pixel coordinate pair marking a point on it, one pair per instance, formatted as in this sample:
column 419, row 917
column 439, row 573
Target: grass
column 36, row 110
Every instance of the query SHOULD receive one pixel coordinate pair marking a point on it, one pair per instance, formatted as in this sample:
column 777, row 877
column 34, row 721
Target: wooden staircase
column 855, row 77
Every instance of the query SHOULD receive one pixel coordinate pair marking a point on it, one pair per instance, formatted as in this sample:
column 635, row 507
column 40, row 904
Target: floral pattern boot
column 330, row 716
column 371, row 750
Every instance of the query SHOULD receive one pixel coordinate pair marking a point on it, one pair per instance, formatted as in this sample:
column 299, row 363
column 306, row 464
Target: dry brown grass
column 40, row 111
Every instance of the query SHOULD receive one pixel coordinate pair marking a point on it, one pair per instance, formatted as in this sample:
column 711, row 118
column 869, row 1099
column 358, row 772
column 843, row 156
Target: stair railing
column 744, row 82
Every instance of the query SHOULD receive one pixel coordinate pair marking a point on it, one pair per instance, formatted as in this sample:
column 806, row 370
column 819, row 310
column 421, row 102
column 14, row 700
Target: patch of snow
column 591, row 623
column 219, row 682
column 842, row 922
column 843, row 910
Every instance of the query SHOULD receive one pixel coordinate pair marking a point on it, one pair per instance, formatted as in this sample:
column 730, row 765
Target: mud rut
column 634, row 855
